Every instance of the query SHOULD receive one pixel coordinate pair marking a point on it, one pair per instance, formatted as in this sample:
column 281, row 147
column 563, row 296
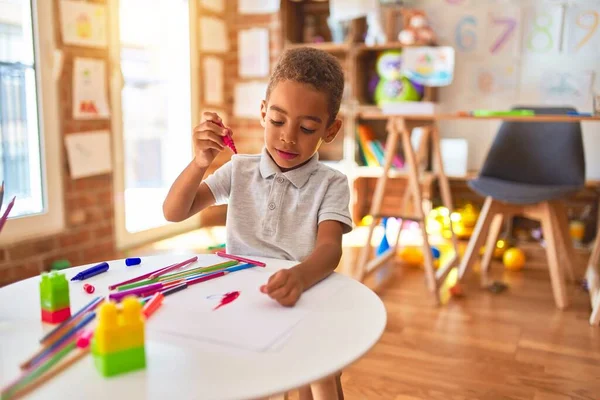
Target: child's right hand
column 208, row 139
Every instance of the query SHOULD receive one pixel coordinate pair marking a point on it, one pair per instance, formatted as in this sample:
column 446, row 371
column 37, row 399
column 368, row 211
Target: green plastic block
column 120, row 362
column 60, row 264
column 54, row 291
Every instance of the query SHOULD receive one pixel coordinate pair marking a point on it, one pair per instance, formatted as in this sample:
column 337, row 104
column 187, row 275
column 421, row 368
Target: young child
column 282, row 203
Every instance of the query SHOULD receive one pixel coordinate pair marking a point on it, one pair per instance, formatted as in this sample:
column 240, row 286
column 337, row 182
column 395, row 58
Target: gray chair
column 530, row 167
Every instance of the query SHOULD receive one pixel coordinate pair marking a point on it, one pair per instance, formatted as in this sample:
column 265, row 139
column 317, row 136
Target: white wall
column 524, row 70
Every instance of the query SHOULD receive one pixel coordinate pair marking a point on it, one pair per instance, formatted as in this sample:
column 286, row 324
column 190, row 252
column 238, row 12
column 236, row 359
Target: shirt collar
column 298, row 176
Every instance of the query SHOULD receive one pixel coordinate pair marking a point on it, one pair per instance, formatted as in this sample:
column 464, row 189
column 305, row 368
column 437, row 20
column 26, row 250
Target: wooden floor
column 512, row 345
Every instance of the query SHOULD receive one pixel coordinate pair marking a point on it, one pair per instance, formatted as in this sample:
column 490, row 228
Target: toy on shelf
column 54, row 297
column 416, row 30
column 392, row 86
column 118, row 344
column 375, row 34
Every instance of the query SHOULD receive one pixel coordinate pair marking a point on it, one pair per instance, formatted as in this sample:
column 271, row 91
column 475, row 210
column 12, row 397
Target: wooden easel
column 400, row 128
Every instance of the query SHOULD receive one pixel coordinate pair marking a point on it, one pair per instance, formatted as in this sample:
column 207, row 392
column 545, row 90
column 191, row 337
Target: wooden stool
column 555, row 228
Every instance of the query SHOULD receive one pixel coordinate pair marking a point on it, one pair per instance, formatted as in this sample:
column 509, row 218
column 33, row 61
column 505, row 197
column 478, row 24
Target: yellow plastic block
column 119, row 330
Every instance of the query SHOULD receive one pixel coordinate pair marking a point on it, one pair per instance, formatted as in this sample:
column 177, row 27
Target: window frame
column 51, row 220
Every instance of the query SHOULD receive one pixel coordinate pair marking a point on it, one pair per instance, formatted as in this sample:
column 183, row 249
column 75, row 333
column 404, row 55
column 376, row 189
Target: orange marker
column 152, row 305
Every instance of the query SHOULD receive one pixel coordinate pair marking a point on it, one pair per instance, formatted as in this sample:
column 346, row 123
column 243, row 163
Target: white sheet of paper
column 248, row 96
column 582, row 33
column 454, row 156
column 88, row 153
column 542, row 28
column 345, row 10
column 213, row 80
column 252, row 322
column 213, row 35
column 258, row 6
column 214, row 5
column 574, row 88
column 83, row 23
column 89, row 89
column 253, row 47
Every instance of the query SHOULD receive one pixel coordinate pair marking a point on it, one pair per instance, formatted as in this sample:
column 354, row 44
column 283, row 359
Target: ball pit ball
column 89, row 288
column 513, row 259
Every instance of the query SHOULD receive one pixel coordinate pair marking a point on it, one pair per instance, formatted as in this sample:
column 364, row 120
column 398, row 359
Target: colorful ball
column 412, row 255
column 513, row 259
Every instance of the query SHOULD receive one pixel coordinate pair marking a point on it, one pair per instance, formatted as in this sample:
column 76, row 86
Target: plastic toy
column 118, row 344
column 513, row 259
column 416, row 29
column 412, row 256
column 54, row 297
column 393, row 87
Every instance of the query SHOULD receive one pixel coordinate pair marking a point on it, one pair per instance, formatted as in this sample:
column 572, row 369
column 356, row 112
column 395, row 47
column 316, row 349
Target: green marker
column 510, row 113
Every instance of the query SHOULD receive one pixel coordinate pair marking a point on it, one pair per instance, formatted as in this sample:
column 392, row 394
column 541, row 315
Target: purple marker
column 136, row 291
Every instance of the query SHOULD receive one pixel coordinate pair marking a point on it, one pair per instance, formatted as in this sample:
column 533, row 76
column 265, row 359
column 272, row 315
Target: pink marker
column 241, row 259
column 228, row 140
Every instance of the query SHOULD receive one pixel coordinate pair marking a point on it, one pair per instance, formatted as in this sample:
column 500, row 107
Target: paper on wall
column 258, row 6
column 213, row 80
column 83, row 23
column 214, row 5
column 253, row 47
column 88, row 153
column 213, row 35
column 248, row 96
column 89, row 89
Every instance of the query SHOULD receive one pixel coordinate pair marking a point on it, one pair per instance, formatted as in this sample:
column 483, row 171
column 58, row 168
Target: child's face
column 295, row 121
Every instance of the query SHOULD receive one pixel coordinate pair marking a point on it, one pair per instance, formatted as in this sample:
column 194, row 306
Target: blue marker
column 578, row 114
column 132, row 261
column 88, row 273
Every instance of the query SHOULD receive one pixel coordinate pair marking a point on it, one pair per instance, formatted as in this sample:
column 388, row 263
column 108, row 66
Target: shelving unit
column 358, row 61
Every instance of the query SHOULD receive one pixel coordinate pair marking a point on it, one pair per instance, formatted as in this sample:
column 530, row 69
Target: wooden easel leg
column 479, row 233
column 413, row 175
column 565, row 244
column 390, row 146
column 443, row 181
column 556, row 273
column 490, row 246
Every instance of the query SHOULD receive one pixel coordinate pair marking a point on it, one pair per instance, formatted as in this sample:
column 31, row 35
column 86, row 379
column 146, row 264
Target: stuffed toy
column 416, row 30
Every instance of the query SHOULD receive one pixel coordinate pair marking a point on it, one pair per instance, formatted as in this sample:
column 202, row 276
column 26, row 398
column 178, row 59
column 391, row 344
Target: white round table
column 342, row 320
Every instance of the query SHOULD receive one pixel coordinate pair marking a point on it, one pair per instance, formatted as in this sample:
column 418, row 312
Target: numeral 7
column 511, row 24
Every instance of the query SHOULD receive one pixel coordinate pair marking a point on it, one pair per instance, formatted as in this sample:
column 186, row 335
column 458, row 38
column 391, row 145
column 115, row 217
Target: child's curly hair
column 315, row 67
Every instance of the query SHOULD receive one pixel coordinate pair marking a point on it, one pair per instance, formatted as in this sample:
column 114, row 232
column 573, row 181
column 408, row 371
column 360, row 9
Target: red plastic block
column 55, row 317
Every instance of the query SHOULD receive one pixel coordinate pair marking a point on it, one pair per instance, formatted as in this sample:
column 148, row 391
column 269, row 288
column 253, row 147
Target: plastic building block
column 55, row 317
column 120, row 362
column 118, row 342
column 54, row 297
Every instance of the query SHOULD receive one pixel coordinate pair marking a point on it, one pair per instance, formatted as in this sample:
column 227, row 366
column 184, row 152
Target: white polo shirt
column 275, row 214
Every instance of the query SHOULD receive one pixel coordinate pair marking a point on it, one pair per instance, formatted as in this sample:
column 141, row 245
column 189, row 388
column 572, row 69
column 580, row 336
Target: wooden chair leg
column 479, row 233
column 565, row 247
column 490, row 246
column 556, row 273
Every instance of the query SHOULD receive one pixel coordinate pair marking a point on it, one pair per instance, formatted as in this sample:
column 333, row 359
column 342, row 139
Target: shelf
column 325, row 46
column 361, row 47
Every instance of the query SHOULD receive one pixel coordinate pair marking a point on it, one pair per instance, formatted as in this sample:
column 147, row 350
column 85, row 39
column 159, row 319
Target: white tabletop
column 337, row 330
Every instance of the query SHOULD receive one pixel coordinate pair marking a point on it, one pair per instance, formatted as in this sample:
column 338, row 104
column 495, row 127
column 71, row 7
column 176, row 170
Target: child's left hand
column 284, row 286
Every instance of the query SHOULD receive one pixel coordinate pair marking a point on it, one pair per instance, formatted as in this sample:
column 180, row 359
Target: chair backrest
column 544, row 153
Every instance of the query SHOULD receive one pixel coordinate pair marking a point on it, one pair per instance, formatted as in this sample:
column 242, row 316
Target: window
column 29, row 134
